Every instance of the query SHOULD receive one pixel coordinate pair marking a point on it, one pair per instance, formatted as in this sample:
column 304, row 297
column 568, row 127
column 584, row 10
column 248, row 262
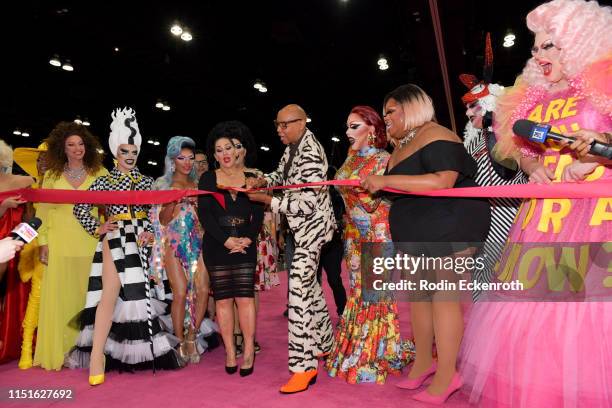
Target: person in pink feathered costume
column 552, row 354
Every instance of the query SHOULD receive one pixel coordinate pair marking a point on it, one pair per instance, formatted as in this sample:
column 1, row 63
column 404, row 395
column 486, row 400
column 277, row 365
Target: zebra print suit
column 503, row 210
column 311, row 219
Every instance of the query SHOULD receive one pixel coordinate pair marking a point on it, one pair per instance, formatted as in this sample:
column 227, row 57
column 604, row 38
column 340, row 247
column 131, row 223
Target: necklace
column 74, row 174
column 406, row 139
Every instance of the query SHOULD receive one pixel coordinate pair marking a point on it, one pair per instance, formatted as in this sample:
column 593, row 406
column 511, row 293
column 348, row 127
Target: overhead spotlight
column 257, row 85
column 383, row 67
column 67, row 66
column 382, row 61
column 166, row 108
column 264, row 148
column 335, row 139
column 156, row 143
column 159, row 104
column 86, row 123
column 509, row 43
column 308, row 120
column 100, row 151
column 150, row 141
column 509, row 37
column 55, row 61
column 176, row 30
column 152, row 163
column 25, row 134
column 78, row 121
column 186, row 36
column 17, row 132
column 263, row 89
column 116, row 49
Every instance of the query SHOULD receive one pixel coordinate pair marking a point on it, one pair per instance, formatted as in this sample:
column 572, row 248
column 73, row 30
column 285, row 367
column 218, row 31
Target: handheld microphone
column 26, row 231
column 539, row 133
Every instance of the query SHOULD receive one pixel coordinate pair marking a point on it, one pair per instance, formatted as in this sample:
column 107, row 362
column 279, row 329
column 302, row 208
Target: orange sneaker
column 299, row 382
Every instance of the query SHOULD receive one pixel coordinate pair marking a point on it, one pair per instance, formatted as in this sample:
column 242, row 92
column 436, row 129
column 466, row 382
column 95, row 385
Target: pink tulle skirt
column 519, row 354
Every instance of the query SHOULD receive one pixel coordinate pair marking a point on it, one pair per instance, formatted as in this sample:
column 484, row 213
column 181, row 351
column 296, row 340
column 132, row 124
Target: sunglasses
column 285, row 124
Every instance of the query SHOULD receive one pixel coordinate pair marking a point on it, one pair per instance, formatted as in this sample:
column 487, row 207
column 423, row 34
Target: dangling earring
column 371, row 139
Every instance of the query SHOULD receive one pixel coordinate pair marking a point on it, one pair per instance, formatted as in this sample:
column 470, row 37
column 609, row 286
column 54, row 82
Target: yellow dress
column 64, row 285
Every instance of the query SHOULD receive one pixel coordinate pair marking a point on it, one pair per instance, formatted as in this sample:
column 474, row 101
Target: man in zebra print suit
column 311, row 219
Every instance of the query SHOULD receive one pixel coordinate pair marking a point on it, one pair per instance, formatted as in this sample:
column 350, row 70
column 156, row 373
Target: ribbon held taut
column 591, row 189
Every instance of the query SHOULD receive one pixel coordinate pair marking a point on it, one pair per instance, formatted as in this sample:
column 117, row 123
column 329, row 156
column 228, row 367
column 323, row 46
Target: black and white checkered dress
column 503, row 210
column 136, row 325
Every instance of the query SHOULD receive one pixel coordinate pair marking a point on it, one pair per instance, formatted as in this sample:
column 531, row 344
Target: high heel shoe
column 194, row 356
column 231, row 369
column 96, row 379
column 299, row 382
column 454, row 385
column 248, row 371
column 183, row 355
column 99, row 378
column 414, row 383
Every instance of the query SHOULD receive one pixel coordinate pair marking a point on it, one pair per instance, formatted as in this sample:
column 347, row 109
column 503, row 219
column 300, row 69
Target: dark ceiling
column 321, row 54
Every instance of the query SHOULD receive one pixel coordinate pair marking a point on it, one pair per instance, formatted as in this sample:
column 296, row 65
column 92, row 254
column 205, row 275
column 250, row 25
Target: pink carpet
column 207, row 384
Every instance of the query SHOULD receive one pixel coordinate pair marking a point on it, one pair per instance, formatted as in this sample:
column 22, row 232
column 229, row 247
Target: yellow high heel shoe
column 99, row 378
column 96, row 379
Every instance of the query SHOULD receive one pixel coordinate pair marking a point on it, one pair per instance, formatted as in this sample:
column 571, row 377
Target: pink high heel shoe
column 454, row 385
column 413, row 384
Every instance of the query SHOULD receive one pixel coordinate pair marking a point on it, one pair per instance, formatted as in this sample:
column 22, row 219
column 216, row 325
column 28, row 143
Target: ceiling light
column 382, row 61
column 509, row 37
column 335, row 139
column 67, row 66
column 176, row 30
column 25, row 134
column 156, row 143
column 159, row 104
column 150, row 141
column 86, row 123
column 101, row 151
column 509, row 43
column 116, row 49
column 263, row 89
column 166, row 108
column 186, row 36
column 55, row 61
column 257, row 85
column 78, row 121
column 383, row 67
column 308, row 120
column 265, row 148
column 17, row 132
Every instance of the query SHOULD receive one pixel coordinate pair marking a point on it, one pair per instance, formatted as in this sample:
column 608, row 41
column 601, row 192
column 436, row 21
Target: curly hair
column 56, row 153
column 579, row 28
column 372, row 118
column 234, row 129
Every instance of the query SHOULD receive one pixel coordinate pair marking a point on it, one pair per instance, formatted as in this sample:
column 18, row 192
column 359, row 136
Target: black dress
column 231, row 275
column 422, row 220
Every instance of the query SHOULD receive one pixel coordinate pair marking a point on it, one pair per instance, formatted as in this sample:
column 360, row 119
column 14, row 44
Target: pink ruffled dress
column 547, row 354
